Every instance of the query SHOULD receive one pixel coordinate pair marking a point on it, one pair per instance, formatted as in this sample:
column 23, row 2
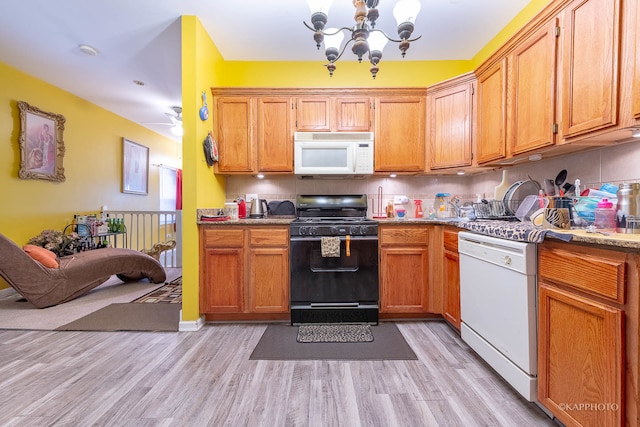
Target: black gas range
column 340, row 286
column 335, row 215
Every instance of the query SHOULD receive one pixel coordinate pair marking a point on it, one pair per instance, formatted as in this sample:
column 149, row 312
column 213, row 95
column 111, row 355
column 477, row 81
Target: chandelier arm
column 395, row 40
column 337, row 31
column 324, row 33
column 343, row 49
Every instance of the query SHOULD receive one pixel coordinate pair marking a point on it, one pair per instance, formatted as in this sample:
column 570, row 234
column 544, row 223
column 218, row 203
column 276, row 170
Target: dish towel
column 330, row 247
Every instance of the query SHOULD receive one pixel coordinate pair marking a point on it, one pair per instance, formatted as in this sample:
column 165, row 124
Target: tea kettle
column 258, row 208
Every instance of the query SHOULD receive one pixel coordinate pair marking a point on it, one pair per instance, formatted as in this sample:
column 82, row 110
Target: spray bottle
column 419, row 213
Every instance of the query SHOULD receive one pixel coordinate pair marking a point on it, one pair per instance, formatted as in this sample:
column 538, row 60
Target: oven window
column 320, row 264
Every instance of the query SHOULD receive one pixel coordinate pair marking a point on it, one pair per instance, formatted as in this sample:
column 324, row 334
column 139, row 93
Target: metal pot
column 628, row 209
column 258, row 208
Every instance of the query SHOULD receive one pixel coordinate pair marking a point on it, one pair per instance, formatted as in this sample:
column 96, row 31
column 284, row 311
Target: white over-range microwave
column 333, row 154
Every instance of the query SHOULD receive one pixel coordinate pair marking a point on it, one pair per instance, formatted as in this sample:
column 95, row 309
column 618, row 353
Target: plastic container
column 441, row 205
column 605, row 218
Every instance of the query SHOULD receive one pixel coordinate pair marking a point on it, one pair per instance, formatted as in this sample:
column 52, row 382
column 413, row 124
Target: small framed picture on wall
column 41, row 144
column 135, row 168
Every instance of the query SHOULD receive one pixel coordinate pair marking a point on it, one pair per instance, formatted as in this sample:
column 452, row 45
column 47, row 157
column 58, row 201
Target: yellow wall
column 347, row 74
column 92, row 160
column 525, row 15
column 201, row 63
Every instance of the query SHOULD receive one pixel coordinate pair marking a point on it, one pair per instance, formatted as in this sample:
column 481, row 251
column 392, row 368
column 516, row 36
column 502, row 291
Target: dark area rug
column 279, row 342
column 129, row 317
column 334, row 333
column 170, row 293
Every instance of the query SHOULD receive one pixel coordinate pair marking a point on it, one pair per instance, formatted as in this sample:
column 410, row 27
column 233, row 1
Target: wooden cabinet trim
column 219, row 237
column 268, row 236
column 596, row 275
column 451, row 239
column 418, row 235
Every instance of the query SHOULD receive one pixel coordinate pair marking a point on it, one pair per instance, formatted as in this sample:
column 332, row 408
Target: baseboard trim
column 190, row 325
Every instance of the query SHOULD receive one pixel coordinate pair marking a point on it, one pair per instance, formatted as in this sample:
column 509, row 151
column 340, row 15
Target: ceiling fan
column 176, row 121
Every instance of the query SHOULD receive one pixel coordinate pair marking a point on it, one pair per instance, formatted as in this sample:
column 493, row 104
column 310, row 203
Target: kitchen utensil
column 549, row 187
column 517, row 193
column 569, row 189
column 560, row 179
column 501, row 189
column 258, row 208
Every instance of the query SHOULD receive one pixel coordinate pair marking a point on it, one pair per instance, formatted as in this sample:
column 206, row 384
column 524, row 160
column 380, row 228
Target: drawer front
column 404, row 235
column 223, row 237
column 602, row 276
column 269, row 236
column 451, row 240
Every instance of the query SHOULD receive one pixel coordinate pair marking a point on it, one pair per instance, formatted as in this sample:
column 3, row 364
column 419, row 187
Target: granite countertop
column 510, row 230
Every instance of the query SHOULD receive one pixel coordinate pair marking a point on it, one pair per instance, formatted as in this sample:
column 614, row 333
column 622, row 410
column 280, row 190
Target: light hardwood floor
column 205, row 378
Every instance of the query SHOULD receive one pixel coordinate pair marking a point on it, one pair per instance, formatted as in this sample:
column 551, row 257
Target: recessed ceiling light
column 392, row 175
column 636, row 133
column 460, row 172
column 88, row 50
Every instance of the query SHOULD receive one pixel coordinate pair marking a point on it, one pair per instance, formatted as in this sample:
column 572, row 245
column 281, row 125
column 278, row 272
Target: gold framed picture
column 41, row 144
column 135, row 168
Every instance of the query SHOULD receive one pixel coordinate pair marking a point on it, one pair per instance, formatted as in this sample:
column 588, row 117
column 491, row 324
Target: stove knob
column 313, row 231
column 302, row 230
column 335, row 229
column 353, row 229
column 364, row 230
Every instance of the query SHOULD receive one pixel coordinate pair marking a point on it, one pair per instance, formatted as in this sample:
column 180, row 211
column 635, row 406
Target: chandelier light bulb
column 377, row 41
column 319, row 6
column 406, row 11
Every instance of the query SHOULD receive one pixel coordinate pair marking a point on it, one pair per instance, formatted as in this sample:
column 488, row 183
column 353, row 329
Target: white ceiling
column 140, row 40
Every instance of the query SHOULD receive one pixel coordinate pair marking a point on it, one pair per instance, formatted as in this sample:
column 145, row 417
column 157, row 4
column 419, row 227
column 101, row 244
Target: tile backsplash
column 594, row 167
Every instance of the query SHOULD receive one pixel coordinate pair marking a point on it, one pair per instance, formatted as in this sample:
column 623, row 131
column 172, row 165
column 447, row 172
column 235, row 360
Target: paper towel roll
column 498, row 192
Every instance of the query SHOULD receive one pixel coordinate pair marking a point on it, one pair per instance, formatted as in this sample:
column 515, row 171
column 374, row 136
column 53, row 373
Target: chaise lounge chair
column 76, row 275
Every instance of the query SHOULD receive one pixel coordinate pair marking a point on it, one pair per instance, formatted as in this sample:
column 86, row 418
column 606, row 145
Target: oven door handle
column 342, row 238
column 334, row 270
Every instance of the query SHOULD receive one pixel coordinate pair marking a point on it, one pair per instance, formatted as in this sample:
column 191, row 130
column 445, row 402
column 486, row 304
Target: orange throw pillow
column 42, row 255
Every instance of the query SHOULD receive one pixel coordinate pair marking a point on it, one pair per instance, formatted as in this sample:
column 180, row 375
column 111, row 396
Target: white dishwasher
column 498, row 306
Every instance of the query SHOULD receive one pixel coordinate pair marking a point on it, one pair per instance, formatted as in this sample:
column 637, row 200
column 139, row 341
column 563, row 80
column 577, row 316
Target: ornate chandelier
column 365, row 37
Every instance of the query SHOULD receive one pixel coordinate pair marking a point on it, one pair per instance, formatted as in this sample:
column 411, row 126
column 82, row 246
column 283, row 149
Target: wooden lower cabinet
column 244, row 272
column 404, row 269
column 588, row 334
column 268, row 270
column 451, row 278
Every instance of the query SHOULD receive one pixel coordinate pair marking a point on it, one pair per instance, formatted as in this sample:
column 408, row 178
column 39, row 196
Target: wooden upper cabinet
column 337, row 114
column 275, row 138
column 591, row 30
column 313, row 114
column 449, row 122
column 235, row 134
column 533, row 91
column 353, row 114
column 400, row 134
column 492, row 113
